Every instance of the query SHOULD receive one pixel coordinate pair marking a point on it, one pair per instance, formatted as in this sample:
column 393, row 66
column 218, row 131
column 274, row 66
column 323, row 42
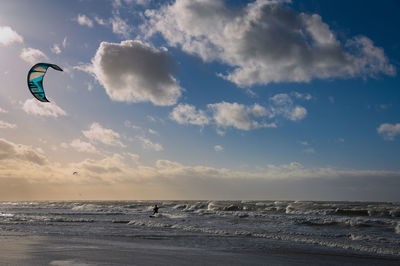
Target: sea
column 365, row 228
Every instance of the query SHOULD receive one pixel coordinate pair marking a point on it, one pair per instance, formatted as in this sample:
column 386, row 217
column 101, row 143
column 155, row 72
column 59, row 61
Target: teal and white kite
column 35, row 79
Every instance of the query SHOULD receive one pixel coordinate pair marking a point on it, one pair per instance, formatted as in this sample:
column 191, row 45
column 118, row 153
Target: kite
column 35, row 80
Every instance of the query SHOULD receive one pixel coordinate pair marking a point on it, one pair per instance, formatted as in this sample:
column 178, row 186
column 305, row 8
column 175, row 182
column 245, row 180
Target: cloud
column 4, row 124
column 32, row 106
column 243, row 117
column 8, row 36
column 239, row 116
column 12, row 151
column 218, row 148
column 3, row 110
column 119, row 26
column 124, row 173
column 56, row 48
column 389, row 131
column 83, row 146
column 103, row 135
column 84, row 20
column 302, row 96
column 147, row 144
column 132, row 71
column 188, row 114
column 265, row 41
column 283, row 105
column 32, row 55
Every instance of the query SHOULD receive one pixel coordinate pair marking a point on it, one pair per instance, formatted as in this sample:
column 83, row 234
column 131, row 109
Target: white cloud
column 12, row 151
column 283, row 105
column 239, row 116
column 218, row 148
column 147, row 144
column 4, row 124
column 103, row 135
column 8, row 36
column 32, row 106
column 100, row 21
column 65, row 42
column 84, row 20
column 188, row 114
column 3, row 110
column 302, row 96
column 153, row 132
column 56, row 48
column 132, row 71
column 265, row 41
column 83, row 146
column 389, row 131
column 119, row 26
column 32, row 55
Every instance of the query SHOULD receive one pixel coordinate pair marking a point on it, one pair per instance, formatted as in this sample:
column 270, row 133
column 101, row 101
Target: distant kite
column 35, row 79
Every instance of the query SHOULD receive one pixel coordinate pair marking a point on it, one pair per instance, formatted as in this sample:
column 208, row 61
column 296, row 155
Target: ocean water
column 356, row 227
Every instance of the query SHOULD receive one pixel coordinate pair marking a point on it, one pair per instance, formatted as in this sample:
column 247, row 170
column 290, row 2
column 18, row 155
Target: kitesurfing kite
column 35, row 80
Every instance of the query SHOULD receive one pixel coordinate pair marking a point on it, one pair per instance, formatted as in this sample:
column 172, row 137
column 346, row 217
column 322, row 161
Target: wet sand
column 23, row 249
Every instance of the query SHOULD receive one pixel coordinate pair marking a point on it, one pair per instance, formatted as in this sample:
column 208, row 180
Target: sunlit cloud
column 132, row 71
column 19, row 152
column 4, row 124
column 83, row 146
column 389, row 131
column 265, row 41
column 32, row 55
column 188, row 114
column 148, row 144
column 8, row 36
column 98, row 133
column 84, row 20
column 50, row 109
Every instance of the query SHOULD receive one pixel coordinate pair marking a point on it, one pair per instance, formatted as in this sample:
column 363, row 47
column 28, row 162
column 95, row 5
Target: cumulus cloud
column 243, row 117
column 34, row 107
column 389, row 131
column 84, row 20
column 265, row 41
column 83, row 146
column 132, row 71
column 147, row 144
column 8, row 36
column 4, row 124
column 188, row 114
column 13, row 151
column 239, row 116
column 32, row 55
column 103, row 135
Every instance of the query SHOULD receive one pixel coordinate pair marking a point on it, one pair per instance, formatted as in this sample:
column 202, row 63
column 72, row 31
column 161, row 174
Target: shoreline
column 30, row 249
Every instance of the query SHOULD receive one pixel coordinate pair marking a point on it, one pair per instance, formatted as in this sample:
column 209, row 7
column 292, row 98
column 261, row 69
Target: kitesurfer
column 155, row 209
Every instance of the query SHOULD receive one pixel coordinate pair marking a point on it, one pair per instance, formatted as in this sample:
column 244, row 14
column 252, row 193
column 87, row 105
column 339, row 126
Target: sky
column 201, row 99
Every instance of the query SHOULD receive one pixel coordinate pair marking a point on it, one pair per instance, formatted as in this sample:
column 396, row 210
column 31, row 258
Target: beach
column 122, row 233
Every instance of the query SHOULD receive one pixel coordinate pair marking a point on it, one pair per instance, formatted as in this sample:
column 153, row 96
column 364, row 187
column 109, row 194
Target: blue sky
column 201, row 99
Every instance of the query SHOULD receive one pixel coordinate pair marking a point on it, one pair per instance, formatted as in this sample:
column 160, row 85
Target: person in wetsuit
column 155, row 209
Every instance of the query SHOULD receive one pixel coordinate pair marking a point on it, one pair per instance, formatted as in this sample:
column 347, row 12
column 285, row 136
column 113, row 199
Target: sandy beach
column 23, row 249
